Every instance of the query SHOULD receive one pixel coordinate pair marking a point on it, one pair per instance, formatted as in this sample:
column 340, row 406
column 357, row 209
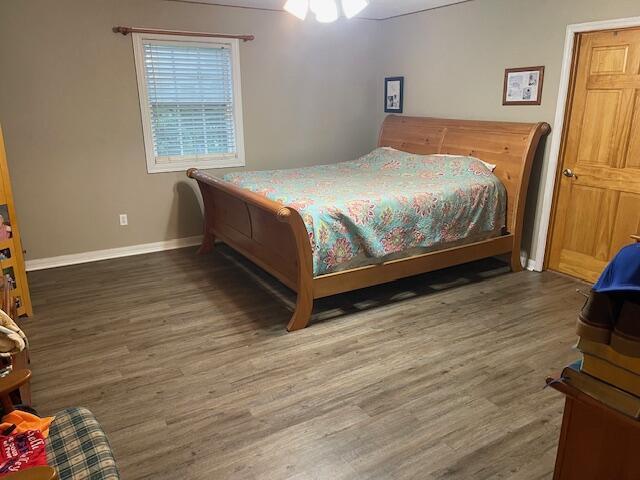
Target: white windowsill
column 200, row 164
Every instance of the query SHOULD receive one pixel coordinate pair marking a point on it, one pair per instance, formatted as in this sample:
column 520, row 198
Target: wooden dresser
column 596, row 442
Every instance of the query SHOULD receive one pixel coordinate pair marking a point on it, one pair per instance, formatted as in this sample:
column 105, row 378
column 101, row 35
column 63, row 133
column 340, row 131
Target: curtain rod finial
column 122, row 30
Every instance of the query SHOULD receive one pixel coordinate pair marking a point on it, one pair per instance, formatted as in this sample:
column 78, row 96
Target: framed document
column 393, row 94
column 523, row 86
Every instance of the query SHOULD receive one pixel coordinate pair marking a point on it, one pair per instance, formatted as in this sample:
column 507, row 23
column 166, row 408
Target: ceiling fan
column 326, row 11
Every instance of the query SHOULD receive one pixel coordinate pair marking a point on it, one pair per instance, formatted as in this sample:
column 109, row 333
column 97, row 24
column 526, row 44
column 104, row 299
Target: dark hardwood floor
column 186, row 363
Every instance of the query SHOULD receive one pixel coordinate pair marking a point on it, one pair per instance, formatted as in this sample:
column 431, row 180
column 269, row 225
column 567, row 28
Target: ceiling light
column 298, row 8
column 353, row 7
column 326, row 10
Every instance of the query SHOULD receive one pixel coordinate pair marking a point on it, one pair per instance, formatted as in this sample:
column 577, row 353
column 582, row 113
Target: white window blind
column 190, row 102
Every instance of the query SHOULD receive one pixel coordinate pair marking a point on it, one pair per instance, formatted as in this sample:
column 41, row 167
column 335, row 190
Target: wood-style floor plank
column 186, row 363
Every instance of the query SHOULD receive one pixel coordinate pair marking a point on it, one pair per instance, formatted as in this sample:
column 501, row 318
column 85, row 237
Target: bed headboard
column 510, row 146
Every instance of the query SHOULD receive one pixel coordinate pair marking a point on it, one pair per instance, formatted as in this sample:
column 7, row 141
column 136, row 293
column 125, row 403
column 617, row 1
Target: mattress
column 386, row 203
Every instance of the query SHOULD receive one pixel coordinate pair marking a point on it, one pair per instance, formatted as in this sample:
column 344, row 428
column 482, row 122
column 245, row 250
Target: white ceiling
column 377, row 9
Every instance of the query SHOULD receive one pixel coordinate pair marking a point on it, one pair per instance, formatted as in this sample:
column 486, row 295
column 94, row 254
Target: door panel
column 609, row 60
column 598, row 203
column 582, row 203
column 627, row 221
column 598, row 126
column 633, row 152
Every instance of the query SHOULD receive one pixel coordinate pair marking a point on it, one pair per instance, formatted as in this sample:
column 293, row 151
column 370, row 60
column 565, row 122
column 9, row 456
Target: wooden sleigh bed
column 275, row 238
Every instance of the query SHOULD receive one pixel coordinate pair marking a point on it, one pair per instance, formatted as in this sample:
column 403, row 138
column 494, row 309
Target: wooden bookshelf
column 11, row 252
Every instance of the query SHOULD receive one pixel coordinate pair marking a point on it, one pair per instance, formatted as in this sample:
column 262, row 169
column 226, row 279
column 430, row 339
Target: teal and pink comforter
column 384, row 203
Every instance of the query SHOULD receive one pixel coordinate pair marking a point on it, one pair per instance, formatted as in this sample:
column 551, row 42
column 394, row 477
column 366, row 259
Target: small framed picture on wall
column 523, row 86
column 393, row 94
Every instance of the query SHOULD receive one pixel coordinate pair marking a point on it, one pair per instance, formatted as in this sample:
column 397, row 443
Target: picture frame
column 393, row 94
column 6, row 232
column 9, row 276
column 523, row 86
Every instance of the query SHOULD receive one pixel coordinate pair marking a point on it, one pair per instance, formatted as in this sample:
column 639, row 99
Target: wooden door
column 597, row 206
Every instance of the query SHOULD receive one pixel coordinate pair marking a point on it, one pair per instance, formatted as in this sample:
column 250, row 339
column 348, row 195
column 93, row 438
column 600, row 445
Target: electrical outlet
column 123, row 219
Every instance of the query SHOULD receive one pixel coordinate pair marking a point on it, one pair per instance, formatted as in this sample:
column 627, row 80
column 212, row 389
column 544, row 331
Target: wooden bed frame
column 275, row 238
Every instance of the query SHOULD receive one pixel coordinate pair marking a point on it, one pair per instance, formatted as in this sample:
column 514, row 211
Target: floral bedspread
column 384, row 203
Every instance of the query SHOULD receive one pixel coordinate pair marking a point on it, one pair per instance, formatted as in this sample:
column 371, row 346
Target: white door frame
column 558, row 124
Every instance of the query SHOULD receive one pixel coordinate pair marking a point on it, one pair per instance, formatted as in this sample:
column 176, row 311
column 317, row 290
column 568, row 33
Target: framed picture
column 523, row 86
column 9, row 277
column 393, row 94
column 5, row 223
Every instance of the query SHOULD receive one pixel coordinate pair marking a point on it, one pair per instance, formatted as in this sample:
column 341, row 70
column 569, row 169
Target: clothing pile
column 12, row 338
column 611, row 315
column 22, row 441
column 609, row 330
column 22, row 434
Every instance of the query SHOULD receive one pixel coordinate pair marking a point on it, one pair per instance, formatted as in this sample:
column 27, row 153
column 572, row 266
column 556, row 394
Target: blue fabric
column 623, row 272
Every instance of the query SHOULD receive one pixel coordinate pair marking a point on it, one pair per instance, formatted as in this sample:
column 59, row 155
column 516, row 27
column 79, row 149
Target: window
column 190, row 100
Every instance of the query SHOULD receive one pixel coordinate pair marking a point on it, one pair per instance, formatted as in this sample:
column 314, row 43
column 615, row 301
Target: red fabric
column 21, row 451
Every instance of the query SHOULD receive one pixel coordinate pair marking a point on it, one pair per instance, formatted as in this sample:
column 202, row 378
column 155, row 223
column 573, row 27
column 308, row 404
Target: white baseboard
column 531, row 265
column 96, row 255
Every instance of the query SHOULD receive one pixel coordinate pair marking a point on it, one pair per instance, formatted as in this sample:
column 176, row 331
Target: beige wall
column 311, row 92
column 454, row 60
column 70, row 112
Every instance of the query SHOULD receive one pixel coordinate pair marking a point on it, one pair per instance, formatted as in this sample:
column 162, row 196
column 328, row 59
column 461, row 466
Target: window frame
column 183, row 163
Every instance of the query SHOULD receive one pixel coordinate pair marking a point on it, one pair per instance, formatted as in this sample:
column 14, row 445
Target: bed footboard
column 266, row 232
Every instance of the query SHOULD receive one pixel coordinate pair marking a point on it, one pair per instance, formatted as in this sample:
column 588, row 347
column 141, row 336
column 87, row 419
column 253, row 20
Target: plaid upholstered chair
column 77, row 447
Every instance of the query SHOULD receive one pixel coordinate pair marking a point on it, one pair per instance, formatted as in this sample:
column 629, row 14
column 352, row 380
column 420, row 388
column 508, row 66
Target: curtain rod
column 128, row 30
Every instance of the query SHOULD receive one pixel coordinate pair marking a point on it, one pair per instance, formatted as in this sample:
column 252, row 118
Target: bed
column 279, row 227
